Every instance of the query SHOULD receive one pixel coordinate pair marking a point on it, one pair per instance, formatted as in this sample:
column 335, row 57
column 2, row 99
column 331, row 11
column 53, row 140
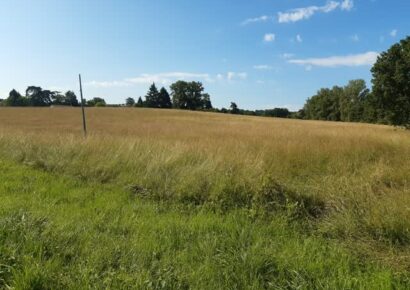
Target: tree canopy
column 391, row 84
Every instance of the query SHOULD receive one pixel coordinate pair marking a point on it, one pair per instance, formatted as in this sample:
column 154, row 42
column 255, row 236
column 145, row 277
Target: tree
column 37, row 97
column 234, row 108
column 352, row 101
column 96, row 102
column 129, row 102
column 277, row 113
column 140, row 103
column 71, row 99
column 391, row 84
column 164, row 101
column 190, row 96
column 206, row 102
column 151, row 98
column 15, row 99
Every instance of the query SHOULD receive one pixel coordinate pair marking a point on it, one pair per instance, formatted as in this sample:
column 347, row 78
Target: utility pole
column 82, row 107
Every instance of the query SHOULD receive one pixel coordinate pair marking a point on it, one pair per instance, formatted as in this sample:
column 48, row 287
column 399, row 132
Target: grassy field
column 165, row 199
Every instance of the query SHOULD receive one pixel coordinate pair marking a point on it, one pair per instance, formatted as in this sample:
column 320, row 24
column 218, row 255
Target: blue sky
column 258, row 53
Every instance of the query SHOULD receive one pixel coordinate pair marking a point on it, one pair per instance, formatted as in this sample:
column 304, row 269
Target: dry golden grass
column 357, row 174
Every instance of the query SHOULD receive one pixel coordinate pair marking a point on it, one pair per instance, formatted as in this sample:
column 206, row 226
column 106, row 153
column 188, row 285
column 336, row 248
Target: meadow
column 168, row 199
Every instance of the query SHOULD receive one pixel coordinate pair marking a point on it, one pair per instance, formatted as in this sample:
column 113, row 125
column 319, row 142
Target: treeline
column 190, row 96
column 387, row 103
column 185, row 95
column 37, row 97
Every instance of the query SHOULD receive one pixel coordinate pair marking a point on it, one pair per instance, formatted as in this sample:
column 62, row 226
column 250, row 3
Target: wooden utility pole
column 82, row 107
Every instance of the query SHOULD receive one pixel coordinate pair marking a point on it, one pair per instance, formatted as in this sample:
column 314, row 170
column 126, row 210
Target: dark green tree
column 164, row 100
column 15, row 99
column 391, row 84
column 71, row 99
column 140, row 103
column 38, row 97
column 130, row 102
column 234, row 108
column 152, row 97
column 206, row 102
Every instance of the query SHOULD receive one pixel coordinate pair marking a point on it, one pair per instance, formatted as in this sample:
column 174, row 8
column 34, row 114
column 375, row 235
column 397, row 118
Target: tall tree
column 140, row 103
column 151, row 98
column 164, row 101
column 391, row 84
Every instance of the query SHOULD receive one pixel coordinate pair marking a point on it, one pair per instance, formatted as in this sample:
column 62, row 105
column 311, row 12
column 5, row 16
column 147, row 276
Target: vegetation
column 179, row 199
column 388, row 103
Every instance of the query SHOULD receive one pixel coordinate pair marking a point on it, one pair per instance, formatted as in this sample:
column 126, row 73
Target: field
column 168, row 199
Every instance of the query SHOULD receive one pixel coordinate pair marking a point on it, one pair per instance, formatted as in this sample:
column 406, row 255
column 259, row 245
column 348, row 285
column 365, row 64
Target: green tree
column 96, row 102
column 234, row 108
column 130, row 102
column 140, row 103
column 391, row 84
column 71, row 99
column 352, row 101
column 15, row 99
column 164, row 100
column 206, row 102
column 189, row 96
column 38, row 97
column 152, row 97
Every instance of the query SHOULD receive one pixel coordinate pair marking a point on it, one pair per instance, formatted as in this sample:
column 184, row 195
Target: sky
column 258, row 53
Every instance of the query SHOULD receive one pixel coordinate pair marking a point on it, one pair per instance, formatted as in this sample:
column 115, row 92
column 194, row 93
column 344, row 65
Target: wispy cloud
column 393, row 33
column 236, row 76
column 364, row 59
column 269, row 37
column 355, row 38
column 168, row 78
column 347, row 5
column 304, row 13
column 263, row 18
column 287, row 55
column 262, row 67
column 299, row 38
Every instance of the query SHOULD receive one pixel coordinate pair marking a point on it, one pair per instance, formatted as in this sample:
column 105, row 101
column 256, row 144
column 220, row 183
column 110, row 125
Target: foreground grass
column 344, row 189
column 60, row 233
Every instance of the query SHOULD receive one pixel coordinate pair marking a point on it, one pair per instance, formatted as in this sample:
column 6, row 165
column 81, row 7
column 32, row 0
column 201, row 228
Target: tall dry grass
column 353, row 180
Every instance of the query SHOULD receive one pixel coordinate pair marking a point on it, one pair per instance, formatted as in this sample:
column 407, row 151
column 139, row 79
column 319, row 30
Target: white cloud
column 304, row 13
column 263, row 18
column 167, row 78
column 368, row 58
column 262, row 67
column 236, row 76
column 347, row 5
column 299, row 38
column 269, row 37
column 393, row 33
column 108, row 84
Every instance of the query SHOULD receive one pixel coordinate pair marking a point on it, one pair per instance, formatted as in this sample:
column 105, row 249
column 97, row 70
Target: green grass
column 63, row 233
